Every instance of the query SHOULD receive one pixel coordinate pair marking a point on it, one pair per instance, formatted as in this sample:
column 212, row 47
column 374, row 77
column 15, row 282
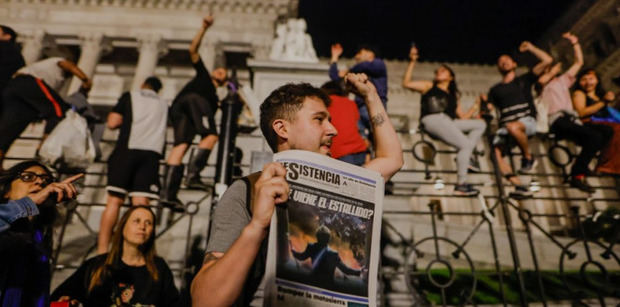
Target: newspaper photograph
column 324, row 241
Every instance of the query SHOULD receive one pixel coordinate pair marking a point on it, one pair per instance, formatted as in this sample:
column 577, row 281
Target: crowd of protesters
column 127, row 269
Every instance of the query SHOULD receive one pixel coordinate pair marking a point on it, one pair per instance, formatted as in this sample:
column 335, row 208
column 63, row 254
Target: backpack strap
column 256, row 272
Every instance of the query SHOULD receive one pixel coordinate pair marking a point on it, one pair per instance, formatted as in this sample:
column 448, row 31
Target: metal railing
column 441, row 269
column 422, row 256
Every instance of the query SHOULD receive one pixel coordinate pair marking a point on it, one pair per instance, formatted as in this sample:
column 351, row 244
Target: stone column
column 151, row 47
column 92, row 48
column 32, row 47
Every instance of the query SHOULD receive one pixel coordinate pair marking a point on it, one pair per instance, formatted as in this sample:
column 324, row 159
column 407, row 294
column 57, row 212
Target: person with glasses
column 28, row 198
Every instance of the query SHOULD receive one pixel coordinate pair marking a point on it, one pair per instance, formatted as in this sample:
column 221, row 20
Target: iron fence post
column 509, row 230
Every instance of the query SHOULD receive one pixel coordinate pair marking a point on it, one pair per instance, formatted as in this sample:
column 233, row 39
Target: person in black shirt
column 517, row 114
column 131, row 274
column 441, row 115
column 591, row 103
column 192, row 112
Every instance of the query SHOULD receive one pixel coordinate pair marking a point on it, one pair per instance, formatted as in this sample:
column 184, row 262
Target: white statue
column 277, row 47
column 295, row 45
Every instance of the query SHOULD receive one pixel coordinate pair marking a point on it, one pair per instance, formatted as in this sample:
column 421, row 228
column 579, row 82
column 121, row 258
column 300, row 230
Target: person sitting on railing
column 28, row 198
column 517, row 112
column 442, row 116
column 348, row 145
column 594, row 106
column 513, row 99
column 31, row 95
column 294, row 116
column 564, row 121
column 131, row 274
column 133, row 166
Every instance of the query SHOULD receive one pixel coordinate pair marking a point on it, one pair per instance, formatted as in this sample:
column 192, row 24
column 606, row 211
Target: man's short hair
column 283, row 103
column 154, row 83
column 334, row 87
column 8, row 30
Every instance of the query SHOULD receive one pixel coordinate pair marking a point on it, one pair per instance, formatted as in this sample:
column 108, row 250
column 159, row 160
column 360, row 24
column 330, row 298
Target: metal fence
column 440, row 269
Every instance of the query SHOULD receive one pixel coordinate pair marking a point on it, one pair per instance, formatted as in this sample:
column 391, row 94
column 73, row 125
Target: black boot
column 194, row 167
column 173, row 174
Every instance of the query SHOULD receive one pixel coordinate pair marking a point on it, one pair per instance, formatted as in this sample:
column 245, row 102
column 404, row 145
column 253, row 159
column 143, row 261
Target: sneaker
column 465, row 189
column 474, row 165
column 527, row 165
column 581, row 185
column 520, row 192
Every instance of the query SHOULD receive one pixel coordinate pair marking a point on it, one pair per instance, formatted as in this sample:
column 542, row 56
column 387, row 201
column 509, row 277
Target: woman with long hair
column 28, row 198
column 130, row 274
column 442, row 117
column 591, row 102
column 554, row 93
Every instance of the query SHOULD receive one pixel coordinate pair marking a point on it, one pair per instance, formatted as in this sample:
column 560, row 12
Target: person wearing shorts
column 192, row 112
column 513, row 99
column 133, row 166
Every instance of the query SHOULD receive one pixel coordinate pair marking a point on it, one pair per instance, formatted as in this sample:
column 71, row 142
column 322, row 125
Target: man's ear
column 280, row 127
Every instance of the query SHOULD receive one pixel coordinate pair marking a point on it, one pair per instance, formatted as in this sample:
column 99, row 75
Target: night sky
column 471, row 31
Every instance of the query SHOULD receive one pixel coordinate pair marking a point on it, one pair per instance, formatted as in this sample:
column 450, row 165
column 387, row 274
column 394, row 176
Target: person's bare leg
column 108, row 220
column 176, row 154
column 208, row 142
column 505, row 168
column 517, row 131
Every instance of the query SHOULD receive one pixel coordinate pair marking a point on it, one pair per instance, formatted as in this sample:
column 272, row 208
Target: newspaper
column 324, row 242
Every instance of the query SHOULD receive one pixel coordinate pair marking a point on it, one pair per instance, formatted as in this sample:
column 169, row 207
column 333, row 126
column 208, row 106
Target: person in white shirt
column 32, row 95
column 133, row 166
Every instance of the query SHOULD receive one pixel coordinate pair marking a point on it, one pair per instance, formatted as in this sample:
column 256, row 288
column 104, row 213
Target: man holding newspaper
column 294, row 116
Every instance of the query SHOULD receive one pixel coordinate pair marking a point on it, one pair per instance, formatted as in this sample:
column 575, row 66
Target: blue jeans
column 357, row 158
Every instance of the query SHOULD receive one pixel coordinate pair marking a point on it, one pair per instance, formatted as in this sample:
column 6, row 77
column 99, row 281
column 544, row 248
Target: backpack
column 257, row 271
